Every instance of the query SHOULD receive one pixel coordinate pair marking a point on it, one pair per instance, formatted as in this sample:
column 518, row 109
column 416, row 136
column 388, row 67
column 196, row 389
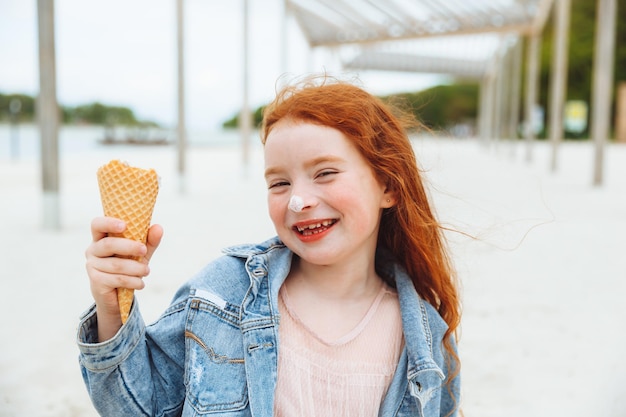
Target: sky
column 124, row 53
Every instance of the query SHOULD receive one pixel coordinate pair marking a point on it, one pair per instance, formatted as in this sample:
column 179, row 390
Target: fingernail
column 120, row 226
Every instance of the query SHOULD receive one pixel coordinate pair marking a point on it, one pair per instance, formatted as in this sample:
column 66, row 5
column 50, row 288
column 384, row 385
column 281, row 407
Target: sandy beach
column 540, row 256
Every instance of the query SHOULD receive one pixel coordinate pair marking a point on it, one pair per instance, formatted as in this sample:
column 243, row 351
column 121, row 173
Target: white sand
column 543, row 286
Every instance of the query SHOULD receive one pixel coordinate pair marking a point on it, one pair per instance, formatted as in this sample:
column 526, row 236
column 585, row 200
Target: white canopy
column 338, row 22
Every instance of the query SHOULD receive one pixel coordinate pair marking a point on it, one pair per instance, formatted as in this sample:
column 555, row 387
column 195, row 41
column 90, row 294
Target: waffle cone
column 129, row 194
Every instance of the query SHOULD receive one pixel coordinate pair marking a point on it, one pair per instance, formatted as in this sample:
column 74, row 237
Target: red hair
column 379, row 131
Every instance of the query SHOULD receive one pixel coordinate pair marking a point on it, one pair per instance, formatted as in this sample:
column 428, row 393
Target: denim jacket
column 214, row 351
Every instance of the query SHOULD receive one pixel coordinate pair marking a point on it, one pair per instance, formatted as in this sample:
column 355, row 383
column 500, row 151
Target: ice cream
column 296, row 204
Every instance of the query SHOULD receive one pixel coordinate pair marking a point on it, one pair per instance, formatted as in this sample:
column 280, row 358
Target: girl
column 350, row 311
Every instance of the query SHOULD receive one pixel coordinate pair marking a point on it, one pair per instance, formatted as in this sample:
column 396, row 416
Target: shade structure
column 338, row 22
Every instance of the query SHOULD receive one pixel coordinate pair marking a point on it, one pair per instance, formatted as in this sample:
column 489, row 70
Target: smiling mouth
column 315, row 228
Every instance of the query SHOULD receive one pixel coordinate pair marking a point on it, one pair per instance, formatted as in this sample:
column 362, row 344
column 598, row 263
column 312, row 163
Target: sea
column 23, row 141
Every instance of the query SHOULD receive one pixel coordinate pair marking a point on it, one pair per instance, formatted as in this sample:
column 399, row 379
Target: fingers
column 120, row 269
column 102, row 226
column 104, row 245
column 115, row 262
column 107, row 273
column 116, row 246
column 103, row 284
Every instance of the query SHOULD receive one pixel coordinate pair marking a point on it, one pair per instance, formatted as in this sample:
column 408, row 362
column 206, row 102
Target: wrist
column 108, row 322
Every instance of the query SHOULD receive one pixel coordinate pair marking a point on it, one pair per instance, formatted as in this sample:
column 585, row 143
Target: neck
column 344, row 282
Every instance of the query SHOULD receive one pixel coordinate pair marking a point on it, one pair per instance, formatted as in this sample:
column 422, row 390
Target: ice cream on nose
column 296, row 204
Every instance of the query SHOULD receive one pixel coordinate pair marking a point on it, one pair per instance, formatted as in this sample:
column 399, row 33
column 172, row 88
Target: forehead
column 289, row 141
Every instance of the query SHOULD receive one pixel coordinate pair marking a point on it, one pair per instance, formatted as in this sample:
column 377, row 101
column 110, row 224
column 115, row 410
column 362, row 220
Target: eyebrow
column 310, row 163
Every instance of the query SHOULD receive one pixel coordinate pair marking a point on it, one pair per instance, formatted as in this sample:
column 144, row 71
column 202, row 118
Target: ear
column 388, row 199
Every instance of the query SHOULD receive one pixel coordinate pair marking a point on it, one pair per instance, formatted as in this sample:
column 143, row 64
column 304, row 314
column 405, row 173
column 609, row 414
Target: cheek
column 362, row 204
column 276, row 209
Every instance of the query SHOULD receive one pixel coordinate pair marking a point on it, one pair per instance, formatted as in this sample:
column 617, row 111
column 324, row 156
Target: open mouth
column 315, row 228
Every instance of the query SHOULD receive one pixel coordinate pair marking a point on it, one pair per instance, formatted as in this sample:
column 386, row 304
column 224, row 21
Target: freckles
column 276, row 210
column 360, row 202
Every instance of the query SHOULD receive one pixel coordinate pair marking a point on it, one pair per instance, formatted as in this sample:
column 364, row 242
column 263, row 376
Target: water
column 23, row 142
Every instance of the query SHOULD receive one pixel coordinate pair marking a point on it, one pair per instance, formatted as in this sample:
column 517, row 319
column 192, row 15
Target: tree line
column 21, row 108
column 438, row 108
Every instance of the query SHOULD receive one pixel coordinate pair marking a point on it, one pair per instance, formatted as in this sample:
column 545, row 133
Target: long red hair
column 379, row 131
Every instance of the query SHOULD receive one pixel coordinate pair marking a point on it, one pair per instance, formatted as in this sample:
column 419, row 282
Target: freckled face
column 341, row 200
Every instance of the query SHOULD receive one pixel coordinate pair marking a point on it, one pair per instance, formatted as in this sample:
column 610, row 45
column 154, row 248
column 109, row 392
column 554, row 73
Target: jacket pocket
column 215, row 377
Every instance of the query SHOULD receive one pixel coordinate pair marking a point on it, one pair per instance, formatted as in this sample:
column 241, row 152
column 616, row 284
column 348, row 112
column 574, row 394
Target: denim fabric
column 214, row 351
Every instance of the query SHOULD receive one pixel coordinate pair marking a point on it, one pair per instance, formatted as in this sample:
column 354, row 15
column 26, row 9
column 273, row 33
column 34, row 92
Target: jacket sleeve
column 451, row 390
column 140, row 371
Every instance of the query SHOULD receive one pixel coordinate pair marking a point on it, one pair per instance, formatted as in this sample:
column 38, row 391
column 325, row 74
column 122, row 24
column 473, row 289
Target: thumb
column 155, row 233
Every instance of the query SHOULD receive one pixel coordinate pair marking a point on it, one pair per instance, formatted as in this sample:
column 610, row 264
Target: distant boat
column 134, row 136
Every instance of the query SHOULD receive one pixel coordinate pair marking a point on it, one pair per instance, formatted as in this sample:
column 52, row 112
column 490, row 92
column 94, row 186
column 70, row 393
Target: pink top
column 346, row 377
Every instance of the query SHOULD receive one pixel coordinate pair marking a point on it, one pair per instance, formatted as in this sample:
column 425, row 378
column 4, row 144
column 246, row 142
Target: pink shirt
column 346, row 377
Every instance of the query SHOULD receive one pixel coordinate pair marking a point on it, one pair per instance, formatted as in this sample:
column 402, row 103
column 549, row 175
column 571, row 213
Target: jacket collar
column 415, row 324
column 248, row 249
column 415, row 317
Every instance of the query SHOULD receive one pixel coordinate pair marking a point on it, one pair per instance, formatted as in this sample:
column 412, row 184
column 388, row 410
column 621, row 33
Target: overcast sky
column 123, row 52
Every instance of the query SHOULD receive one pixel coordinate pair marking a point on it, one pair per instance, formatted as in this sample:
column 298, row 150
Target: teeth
column 315, row 225
column 312, row 227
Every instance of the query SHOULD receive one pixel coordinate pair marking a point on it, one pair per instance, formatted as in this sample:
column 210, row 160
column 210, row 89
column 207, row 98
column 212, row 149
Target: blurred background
column 525, row 101
column 124, row 56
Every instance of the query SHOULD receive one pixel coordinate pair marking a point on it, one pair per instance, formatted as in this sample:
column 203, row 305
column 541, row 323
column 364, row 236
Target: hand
column 114, row 262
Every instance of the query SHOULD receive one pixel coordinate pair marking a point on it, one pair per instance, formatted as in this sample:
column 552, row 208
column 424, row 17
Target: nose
column 301, row 199
column 296, row 203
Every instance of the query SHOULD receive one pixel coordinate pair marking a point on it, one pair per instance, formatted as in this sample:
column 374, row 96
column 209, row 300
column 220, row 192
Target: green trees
column 233, row 122
column 93, row 113
column 443, row 106
column 97, row 113
column 438, row 108
column 16, row 108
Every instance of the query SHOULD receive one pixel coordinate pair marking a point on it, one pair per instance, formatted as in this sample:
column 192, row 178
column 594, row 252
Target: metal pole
column 245, row 117
column 499, row 99
column 483, row 108
column 490, row 104
column 558, row 80
column 505, row 94
column 487, row 91
column 602, row 82
column 181, row 129
column 48, row 115
column 15, row 107
column 516, row 74
column 489, row 86
column 620, row 112
column 532, row 87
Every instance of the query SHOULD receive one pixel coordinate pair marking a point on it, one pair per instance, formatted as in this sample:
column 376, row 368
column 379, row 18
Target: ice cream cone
column 128, row 193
